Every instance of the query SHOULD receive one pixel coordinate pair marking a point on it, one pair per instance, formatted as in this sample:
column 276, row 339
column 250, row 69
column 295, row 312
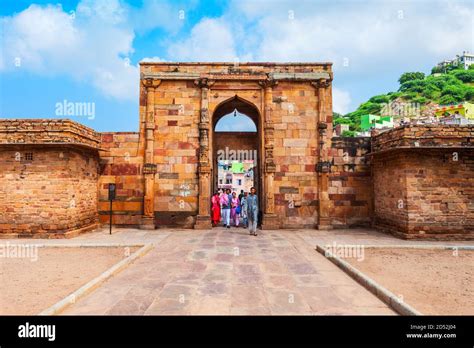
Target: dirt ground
column 28, row 286
column 432, row 281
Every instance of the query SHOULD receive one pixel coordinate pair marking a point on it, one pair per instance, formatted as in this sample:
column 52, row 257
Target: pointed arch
column 242, row 105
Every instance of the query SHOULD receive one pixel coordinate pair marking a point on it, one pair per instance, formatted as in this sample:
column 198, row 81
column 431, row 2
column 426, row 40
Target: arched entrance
column 236, row 149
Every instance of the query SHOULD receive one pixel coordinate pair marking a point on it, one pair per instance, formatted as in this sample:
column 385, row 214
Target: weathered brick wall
column 425, row 194
column 240, row 69
column 350, row 182
column 423, row 136
column 390, row 192
column 424, row 182
column 47, row 131
column 121, row 164
column 295, row 119
column 53, row 195
column 177, row 105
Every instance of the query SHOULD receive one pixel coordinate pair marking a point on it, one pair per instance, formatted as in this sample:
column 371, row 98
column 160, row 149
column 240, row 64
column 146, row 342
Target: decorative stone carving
column 268, row 83
column 321, row 83
column 151, row 83
column 204, row 83
column 204, row 115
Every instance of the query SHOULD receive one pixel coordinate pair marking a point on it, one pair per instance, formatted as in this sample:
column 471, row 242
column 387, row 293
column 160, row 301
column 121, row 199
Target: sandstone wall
column 292, row 111
column 53, row 195
column 350, row 183
column 177, row 105
column 424, row 182
column 296, row 153
column 121, row 164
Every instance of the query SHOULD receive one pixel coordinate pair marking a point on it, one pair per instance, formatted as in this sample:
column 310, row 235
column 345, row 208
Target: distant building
column 368, row 122
column 235, row 175
column 464, row 60
column 455, row 119
column 464, row 109
column 340, row 128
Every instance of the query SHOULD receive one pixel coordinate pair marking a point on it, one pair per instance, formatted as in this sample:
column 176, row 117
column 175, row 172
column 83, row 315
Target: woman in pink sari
column 216, row 209
column 235, row 211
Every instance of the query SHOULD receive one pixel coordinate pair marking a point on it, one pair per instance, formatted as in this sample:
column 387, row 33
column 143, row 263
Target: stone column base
column 203, row 222
column 324, row 224
column 147, row 223
column 324, row 227
column 270, row 222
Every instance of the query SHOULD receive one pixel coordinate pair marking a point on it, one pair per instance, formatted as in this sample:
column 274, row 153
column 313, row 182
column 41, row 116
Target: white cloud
column 370, row 35
column 341, row 101
column 209, row 40
column 153, row 60
column 90, row 44
column 374, row 36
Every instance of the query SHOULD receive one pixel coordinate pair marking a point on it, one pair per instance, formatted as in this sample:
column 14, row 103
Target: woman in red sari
column 216, row 209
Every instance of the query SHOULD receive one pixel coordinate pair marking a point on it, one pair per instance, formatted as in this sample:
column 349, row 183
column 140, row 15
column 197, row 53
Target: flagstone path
column 227, row 271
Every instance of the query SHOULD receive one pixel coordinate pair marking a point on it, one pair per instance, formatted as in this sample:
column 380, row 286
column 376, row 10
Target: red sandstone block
column 309, row 167
column 342, row 197
column 107, row 138
column 159, row 152
column 185, row 145
column 124, row 169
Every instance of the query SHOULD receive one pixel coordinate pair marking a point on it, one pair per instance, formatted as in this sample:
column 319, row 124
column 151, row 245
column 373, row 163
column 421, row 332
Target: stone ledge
column 423, row 136
column 371, row 285
column 47, row 132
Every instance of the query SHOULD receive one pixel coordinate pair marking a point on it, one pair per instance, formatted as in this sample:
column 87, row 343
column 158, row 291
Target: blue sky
column 88, row 51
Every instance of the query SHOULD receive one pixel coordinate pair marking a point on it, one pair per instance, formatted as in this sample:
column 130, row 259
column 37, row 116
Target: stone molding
column 47, row 131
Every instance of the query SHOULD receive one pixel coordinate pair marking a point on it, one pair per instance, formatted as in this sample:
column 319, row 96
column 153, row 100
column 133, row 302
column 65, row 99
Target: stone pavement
column 227, row 271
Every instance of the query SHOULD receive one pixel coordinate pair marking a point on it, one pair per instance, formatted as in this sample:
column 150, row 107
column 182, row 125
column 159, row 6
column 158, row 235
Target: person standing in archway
column 243, row 213
column 235, row 210
column 226, row 201
column 252, row 211
column 216, row 209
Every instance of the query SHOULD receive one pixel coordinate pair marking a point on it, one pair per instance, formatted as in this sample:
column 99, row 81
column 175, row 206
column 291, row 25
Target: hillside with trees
column 444, row 86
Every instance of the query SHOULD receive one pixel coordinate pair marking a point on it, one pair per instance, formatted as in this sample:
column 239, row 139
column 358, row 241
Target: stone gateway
column 54, row 174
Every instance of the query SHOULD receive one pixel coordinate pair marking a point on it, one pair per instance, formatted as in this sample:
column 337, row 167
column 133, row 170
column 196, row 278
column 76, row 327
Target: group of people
column 230, row 207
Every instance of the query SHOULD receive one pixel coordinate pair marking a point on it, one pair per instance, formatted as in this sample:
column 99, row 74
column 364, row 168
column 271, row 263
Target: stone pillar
column 203, row 220
column 270, row 220
column 323, row 167
column 149, row 168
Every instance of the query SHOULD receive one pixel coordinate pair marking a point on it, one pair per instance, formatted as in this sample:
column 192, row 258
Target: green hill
column 441, row 87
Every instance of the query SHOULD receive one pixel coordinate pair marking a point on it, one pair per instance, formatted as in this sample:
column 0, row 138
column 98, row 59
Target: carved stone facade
column 287, row 102
column 412, row 181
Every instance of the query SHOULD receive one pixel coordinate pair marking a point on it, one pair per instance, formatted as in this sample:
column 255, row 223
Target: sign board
column 112, row 191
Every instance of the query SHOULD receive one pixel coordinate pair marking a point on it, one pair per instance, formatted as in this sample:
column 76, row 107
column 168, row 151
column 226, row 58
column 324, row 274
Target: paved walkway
column 227, row 271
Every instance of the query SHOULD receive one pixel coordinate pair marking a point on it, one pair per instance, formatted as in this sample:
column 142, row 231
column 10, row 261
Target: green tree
column 464, row 75
column 408, row 76
column 447, row 99
column 348, row 133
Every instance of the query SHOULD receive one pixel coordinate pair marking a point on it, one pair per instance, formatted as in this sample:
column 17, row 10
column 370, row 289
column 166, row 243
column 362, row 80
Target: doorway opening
column 236, row 143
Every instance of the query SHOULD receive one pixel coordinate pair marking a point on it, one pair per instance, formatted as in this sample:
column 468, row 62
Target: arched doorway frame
column 252, row 111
